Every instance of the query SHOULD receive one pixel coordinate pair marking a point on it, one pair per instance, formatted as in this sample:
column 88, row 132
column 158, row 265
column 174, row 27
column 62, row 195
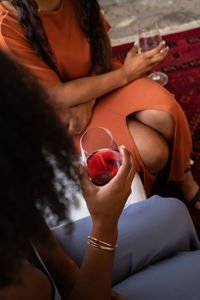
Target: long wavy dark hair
column 34, row 144
column 90, row 22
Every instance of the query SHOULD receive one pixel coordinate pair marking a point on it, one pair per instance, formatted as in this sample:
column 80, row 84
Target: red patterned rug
column 183, row 69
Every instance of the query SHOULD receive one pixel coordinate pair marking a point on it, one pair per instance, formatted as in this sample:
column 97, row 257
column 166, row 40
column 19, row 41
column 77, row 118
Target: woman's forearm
column 85, row 89
column 95, row 277
column 82, row 90
column 105, row 204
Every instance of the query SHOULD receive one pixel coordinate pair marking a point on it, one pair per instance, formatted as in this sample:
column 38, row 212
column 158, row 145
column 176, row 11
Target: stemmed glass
column 149, row 38
column 100, row 155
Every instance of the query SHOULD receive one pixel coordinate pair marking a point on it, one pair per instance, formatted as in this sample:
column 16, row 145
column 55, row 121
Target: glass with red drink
column 100, row 154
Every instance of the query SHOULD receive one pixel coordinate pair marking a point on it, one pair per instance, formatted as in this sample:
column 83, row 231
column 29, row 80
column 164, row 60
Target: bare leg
column 189, row 188
column 159, row 120
column 153, row 149
column 163, row 123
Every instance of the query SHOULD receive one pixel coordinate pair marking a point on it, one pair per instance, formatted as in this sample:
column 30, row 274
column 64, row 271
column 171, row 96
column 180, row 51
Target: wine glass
column 100, row 154
column 149, row 38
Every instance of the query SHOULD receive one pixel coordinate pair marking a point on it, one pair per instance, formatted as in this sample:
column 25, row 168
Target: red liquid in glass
column 103, row 165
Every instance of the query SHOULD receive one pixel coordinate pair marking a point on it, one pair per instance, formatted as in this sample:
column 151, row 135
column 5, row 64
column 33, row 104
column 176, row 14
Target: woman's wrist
column 123, row 75
column 105, row 234
column 128, row 77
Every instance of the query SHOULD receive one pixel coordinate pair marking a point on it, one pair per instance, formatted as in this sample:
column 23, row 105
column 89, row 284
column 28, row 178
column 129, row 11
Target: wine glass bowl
column 149, row 38
column 148, row 35
column 100, row 155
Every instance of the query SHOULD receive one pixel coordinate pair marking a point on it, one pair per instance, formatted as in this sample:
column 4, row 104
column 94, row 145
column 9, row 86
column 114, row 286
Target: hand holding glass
column 100, row 154
column 149, row 38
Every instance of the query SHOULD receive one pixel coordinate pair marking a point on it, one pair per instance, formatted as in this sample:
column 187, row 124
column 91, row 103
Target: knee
column 159, row 120
column 163, row 119
column 153, row 148
column 174, row 211
column 157, row 158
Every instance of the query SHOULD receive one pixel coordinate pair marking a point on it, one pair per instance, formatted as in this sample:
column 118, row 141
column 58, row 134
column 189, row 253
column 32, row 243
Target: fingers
column 155, row 51
column 127, row 169
column 132, row 170
column 85, row 181
column 134, row 50
column 160, row 51
column 160, row 56
column 157, row 55
column 126, row 161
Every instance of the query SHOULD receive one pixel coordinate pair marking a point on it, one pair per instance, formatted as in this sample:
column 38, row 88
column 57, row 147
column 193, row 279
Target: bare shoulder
column 30, row 283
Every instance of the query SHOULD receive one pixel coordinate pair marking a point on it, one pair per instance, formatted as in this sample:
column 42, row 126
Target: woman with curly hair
column 65, row 44
column 39, row 182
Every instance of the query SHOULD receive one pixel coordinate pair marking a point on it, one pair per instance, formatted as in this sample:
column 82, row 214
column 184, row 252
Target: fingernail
column 164, row 43
column 167, row 47
column 123, row 147
column 136, row 43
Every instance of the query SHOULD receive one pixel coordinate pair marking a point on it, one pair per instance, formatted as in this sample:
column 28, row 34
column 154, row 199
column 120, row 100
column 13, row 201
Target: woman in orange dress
column 64, row 43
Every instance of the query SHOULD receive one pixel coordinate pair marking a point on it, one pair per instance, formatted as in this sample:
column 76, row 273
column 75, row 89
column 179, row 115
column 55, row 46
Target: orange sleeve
column 13, row 41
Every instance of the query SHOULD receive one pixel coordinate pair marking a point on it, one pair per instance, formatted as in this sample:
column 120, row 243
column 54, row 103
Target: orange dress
column 72, row 54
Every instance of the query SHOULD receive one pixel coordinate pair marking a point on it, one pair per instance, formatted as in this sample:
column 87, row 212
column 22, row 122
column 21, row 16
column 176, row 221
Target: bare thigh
column 159, row 120
column 153, row 148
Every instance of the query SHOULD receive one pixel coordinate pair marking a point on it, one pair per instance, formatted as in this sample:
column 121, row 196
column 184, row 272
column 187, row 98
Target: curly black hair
column 90, row 23
column 36, row 162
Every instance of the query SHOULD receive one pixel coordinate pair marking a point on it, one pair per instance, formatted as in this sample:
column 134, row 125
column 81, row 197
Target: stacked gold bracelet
column 100, row 244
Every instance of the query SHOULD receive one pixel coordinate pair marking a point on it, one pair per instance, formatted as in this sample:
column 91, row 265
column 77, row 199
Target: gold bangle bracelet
column 100, row 244
column 90, row 243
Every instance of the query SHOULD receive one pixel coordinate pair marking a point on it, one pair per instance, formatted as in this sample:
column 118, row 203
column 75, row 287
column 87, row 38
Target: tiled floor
column 171, row 15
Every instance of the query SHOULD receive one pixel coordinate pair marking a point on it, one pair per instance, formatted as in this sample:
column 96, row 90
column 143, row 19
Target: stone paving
column 171, row 16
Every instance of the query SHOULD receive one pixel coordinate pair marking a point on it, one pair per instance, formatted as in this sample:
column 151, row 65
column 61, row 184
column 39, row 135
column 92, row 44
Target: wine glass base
column 159, row 77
